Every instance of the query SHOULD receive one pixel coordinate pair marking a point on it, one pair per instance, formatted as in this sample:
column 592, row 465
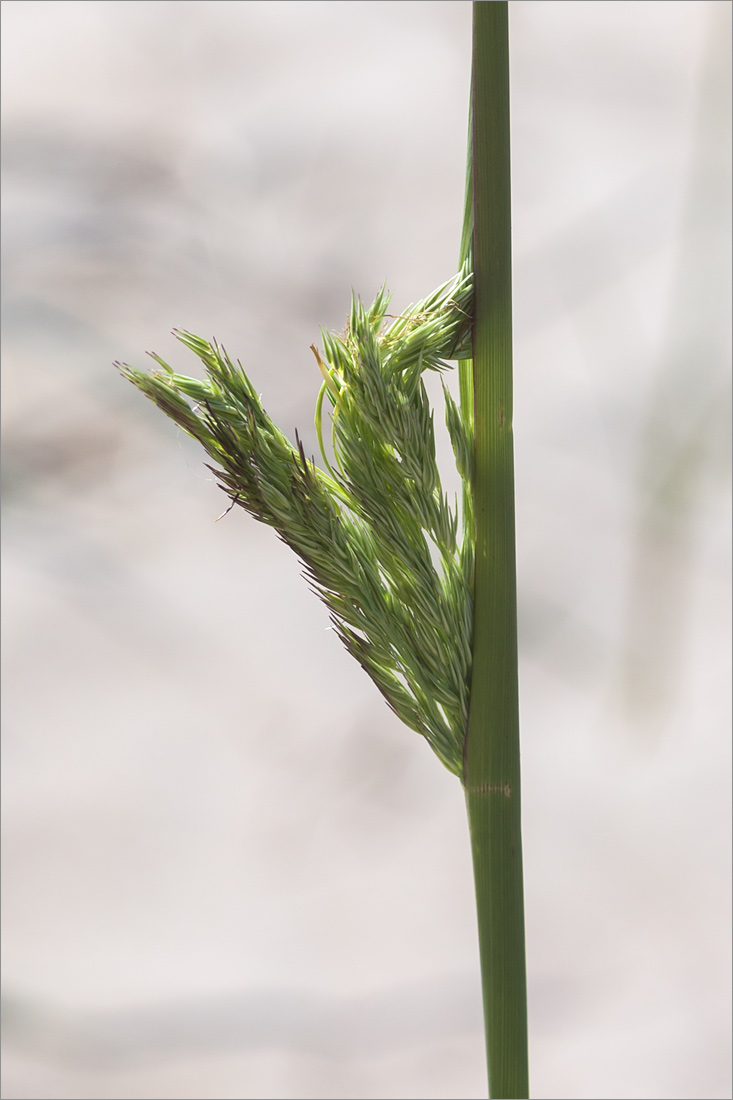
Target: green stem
column 491, row 773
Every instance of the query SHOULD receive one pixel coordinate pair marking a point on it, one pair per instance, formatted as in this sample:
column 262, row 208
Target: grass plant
column 422, row 593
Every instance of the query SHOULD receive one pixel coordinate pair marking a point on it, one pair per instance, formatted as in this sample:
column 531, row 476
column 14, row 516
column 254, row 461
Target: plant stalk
column 492, row 770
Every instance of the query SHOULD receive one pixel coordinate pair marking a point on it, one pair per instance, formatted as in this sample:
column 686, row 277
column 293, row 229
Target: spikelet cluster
column 378, row 537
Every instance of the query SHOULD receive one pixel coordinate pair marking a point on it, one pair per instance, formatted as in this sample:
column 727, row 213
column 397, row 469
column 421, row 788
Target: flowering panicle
column 377, row 535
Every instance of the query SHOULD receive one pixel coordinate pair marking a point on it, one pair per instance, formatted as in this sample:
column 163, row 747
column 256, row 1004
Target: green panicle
column 377, row 535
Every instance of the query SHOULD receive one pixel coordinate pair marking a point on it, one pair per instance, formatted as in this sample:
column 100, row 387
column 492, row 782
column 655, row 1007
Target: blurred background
column 229, row 871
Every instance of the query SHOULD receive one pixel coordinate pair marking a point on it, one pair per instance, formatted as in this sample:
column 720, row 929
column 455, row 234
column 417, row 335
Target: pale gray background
column 229, row 871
